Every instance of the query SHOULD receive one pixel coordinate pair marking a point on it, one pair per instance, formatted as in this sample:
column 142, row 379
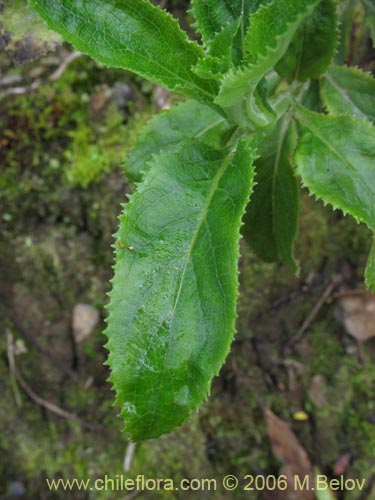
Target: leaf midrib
column 316, row 132
column 189, row 251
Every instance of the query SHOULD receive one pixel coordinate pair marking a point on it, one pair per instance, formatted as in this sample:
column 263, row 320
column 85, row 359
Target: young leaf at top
column 349, row 90
column 219, row 56
column 212, row 15
column 270, row 223
column 271, row 29
column 189, row 119
column 172, row 309
column 133, row 35
column 335, row 158
column 313, row 46
column 370, row 268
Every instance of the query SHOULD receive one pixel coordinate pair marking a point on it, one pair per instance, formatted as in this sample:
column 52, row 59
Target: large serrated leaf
column 271, row 29
column 370, row 268
column 189, row 119
column 349, row 90
column 172, row 310
column 313, row 46
column 133, row 35
column 336, row 161
column 271, row 218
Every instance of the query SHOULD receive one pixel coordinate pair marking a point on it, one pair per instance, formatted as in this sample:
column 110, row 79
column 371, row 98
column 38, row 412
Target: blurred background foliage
column 66, row 124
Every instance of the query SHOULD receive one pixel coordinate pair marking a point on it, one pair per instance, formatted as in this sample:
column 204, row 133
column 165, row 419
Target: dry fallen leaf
column 342, row 464
column 356, row 311
column 288, row 449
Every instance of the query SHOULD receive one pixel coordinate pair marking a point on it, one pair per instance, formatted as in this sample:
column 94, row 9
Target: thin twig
column 33, row 396
column 129, row 454
column 64, row 64
column 314, row 311
column 12, row 368
column 10, row 80
column 19, row 90
column 29, row 338
column 34, row 85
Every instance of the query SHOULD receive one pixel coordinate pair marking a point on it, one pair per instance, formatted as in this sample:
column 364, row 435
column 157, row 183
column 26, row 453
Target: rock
column 85, row 319
column 356, row 311
column 162, row 98
column 17, row 489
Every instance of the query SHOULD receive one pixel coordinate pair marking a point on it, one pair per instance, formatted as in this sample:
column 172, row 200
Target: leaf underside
column 271, row 220
column 172, row 308
column 133, row 35
column 189, row 119
column 336, row 161
column 349, row 90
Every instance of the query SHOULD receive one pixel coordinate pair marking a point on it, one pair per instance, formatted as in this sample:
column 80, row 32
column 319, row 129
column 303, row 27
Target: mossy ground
column 58, row 215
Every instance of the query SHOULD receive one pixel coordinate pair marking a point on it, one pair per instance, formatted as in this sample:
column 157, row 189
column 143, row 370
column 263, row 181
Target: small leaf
column 271, row 29
column 219, row 53
column 313, row 46
column 272, row 215
column 189, row 119
column 369, row 6
column 349, row 90
column 312, row 100
column 336, row 161
column 133, row 35
column 172, row 309
column 212, row 15
column 296, row 463
column 23, row 34
column 370, row 268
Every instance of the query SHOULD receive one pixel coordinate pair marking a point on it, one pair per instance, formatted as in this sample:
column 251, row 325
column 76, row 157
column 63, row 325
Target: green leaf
column 172, row 309
column 370, row 16
column 271, row 29
column 313, row 46
column 271, row 218
column 133, row 35
column 336, row 161
column 370, row 268
column 212, row 15
column 349, row 90
column 23, row 34
column 312, row 100
column 189, row 119
column 219, row 54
